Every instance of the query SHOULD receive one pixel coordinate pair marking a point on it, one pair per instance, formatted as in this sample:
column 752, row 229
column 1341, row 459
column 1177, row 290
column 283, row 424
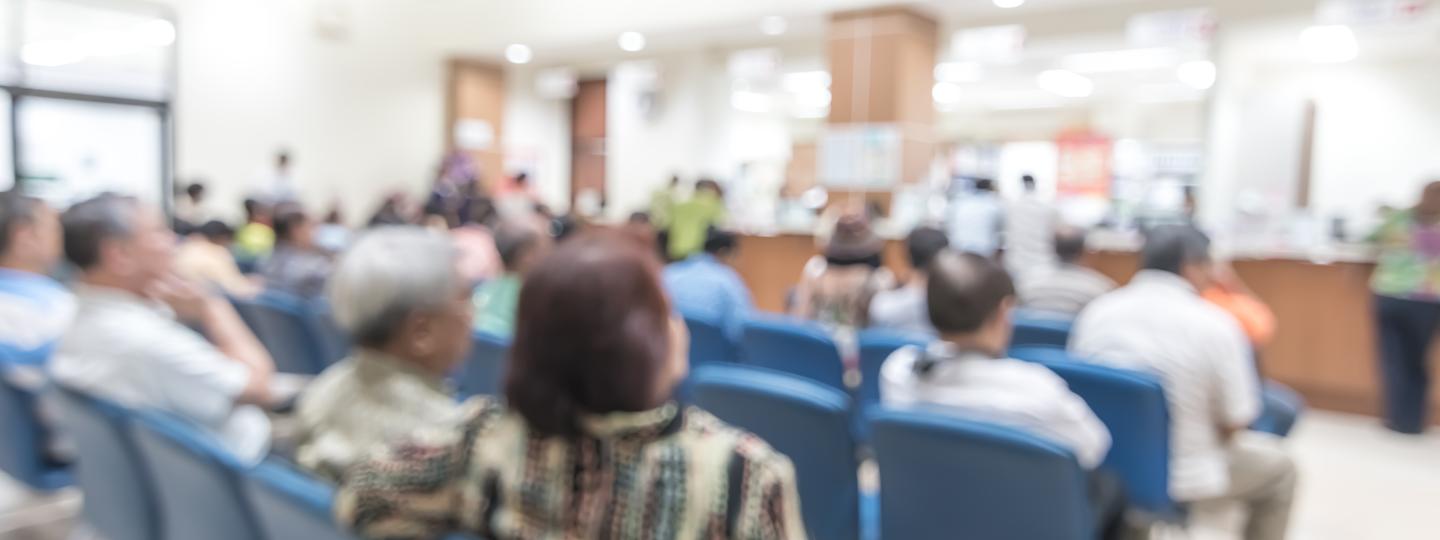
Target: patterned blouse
column 1408, row 264
column 662, row 474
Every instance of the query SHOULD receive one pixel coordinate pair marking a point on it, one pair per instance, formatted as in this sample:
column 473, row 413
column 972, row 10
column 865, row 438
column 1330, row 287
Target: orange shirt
column 1254, row 316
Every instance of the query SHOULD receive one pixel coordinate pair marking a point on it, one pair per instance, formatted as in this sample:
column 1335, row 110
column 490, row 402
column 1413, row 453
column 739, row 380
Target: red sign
column 1085, row 164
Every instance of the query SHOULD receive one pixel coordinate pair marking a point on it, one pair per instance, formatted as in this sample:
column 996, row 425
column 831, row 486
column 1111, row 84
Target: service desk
column 1324, row 347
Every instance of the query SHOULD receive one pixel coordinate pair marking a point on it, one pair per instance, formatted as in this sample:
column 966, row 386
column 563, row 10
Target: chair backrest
column 1040, row 353
column 484, row 371
column 22, row 452
column 1040, row 329
column 119, row 499
column 286, row 328
column 196, row 480
column 946, row 477
column 291, row 504
column 807, row 421
column 334, row 342
column 875, row 347
column 710, row 343
column 1132, row 406
column 793, row 346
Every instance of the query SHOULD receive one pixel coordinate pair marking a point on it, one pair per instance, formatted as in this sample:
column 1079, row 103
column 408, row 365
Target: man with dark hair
column 1068, row 286
column 127, row 345
column 904, row 309
column 520, row 244
column 1160, row 324
column 34, row 309
column 705, row 286
column 297, row 266
column 967, row 373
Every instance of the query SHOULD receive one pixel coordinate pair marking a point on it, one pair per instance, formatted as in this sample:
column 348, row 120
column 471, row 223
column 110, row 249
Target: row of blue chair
column 940, row 476
column 299, row 334
column 22, row 437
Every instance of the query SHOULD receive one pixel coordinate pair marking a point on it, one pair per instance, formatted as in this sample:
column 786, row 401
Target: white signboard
column 860, row 157
column 1362, row 12
column 1184, row 27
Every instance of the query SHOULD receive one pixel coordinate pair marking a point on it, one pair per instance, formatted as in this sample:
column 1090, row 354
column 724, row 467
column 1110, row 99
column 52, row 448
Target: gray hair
column 388, row 274
column 93, row 222
column 1171, row 248
column 15, row 210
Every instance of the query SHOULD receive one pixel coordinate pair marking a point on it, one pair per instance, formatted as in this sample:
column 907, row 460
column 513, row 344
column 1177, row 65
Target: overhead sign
column 1363, row 12
column 1171, row 28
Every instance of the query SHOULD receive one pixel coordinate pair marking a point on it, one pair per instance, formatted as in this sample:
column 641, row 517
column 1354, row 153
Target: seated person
column 837, row 290
column 904, row 309
column 1159, row 323
column 705, row 285
column 595, row 360
column 689, row 220
column 256, row 238
column 967, row 373
column 204, row 257
column 1068, row 287
column 520, row 244
column 398, row 292
column 34, row 309
column 298, row 266
column 126, row 344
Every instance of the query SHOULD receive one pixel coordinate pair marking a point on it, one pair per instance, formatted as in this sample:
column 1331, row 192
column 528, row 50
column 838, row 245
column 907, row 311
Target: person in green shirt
column 662, row 203
column 691, row 220
column 521, row 245
column 1406, row 284
column 256, row 239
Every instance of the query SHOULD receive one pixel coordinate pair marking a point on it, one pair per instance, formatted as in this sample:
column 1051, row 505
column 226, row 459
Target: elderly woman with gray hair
column 399, row 295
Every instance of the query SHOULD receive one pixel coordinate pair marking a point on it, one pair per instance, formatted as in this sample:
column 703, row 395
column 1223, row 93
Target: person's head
column 923, row 245
column 985, row 185
column 195, row 191
column 854, row 243
column 282, row 159
column 522, row 178
column 257, row 211
column 333, row 217
column 295, row 229
column 970, row 298
column 720, row 244
column 1429, row 199
column 520, row 244
column 674, row 181
column 593, row 335
column 29, row 234
column 706, row 185
column 1181, row 250
column 1028, row 182
column 118, row 242
column 639, row 218
column 215, row 232
column 397, row 290
column 1070, row 244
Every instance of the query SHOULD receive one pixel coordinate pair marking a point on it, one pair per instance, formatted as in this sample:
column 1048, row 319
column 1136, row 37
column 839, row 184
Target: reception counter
column 1324, row 347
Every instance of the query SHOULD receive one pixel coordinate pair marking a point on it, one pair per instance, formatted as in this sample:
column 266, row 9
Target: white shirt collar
column 1161, row 278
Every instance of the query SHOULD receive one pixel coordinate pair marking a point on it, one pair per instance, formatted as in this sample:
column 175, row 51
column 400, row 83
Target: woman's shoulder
column 704, row 429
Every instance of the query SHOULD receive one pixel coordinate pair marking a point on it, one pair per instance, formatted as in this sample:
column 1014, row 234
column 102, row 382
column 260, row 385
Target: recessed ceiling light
column 518, row 54
column 1065, row 83
column 774, row 25
column 946, row 93
column 632, row 42
column 1007, row 4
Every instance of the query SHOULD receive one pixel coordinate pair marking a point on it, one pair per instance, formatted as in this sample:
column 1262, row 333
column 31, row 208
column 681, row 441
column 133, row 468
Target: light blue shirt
column 704, row 287
column 34, row 311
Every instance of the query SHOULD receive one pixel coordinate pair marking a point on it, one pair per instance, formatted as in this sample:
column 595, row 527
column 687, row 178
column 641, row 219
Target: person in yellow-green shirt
column 521, row 244
column 691, row 220
column 256, row 239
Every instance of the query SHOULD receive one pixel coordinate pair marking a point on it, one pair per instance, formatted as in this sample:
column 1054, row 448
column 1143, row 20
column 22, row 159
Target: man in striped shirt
column 1159, row 323
column 1069, row 286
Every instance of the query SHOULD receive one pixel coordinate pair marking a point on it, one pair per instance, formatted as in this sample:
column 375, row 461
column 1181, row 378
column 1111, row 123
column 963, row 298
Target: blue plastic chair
column 197, row 482
column 286, row 327
column 875, row 347
column 1132, row 406
column 1040, row 353
column 292, row 504
column 334, row 342
column 484, row 371
column 119, row 499
column 710, row 343
column 804, row 420
column 1033, row 328
column 22, row 438
column 793, row 346
column 1282, row 408
column 947, row 477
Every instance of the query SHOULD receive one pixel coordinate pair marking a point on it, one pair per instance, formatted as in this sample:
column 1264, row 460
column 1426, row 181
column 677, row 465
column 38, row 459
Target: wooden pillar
column 882, row 65
column 475, row 96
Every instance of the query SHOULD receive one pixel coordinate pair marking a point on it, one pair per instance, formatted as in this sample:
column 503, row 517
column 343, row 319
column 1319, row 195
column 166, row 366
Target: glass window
column 94, row 49
column 71, row 150
column 7, row 169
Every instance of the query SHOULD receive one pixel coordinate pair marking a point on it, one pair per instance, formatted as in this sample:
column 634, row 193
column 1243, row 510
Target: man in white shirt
column 127, row 345
column 1029, row 233
column 904, row 309
column 966, row 373
column 1067, row 287
column 1159, row 323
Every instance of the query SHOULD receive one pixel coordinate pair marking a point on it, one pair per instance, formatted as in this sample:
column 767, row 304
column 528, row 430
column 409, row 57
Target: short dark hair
column 195, row 190
column 1170, row 248
column 614, row 351
column 287, row 222
column 719, row 241
column 255, row 207
column 91, row 223
column 964, row 291
column 513, row 240
column 709, row 184
column 639, row 217
column 984, row 184
column 215, row 231
column 1028, row 181
column 923, row 244
column 15, row 210
column 1069, row 244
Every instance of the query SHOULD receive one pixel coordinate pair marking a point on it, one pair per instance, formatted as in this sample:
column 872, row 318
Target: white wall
column 537, row 136
column 362, row 116
column 645, row 146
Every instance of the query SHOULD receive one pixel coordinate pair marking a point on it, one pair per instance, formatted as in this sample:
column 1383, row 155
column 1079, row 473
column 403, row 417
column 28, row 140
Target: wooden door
column 587, row 147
